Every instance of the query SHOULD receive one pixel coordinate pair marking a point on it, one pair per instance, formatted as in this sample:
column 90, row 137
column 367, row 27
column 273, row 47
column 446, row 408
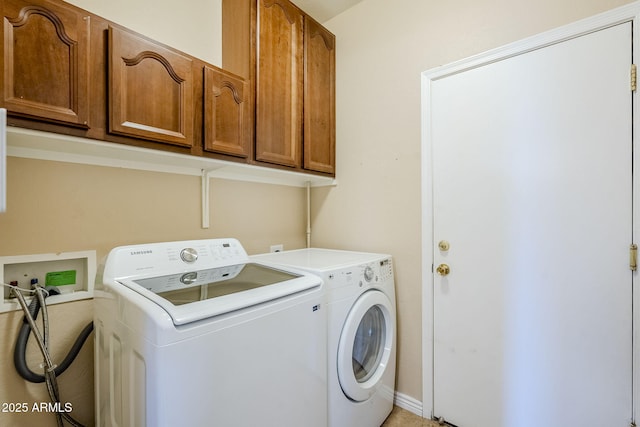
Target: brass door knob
column 443, row 269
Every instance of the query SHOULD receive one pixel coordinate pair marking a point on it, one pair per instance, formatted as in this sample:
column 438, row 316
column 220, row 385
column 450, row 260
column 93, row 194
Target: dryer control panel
column 375, row 272
column 372, row 274
column 386, row 269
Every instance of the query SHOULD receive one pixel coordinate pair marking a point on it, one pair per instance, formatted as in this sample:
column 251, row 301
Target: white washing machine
column 362, row 330
column 193, row 333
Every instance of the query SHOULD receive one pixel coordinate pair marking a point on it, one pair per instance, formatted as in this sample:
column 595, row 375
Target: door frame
column 627, row 13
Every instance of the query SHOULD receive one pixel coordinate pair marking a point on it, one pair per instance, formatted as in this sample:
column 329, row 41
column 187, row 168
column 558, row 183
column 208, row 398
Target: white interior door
column 532, row 186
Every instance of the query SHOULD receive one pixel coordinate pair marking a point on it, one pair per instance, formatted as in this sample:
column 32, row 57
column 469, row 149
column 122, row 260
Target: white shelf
column 34, row 144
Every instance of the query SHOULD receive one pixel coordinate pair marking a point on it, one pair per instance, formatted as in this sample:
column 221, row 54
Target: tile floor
column 402, row 418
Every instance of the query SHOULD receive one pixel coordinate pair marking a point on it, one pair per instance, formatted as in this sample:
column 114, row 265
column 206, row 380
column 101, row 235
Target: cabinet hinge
column 634, row 77
column 633, row 257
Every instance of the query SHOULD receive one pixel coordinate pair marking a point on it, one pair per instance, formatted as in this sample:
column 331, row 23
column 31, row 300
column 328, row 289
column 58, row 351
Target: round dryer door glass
column 365, row 346
column 368, row 345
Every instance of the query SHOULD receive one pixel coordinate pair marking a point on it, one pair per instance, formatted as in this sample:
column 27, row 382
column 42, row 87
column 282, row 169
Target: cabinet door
column 224, row 113
column 279, row 83
column 46, row 61
column 319, row 98
column 150, row 90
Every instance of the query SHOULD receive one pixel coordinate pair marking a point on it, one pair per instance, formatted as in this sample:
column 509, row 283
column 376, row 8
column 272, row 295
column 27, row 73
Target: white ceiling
column 323, row 10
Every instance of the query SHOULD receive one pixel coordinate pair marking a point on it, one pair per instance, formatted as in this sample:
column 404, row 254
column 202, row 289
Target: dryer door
column 365, row 345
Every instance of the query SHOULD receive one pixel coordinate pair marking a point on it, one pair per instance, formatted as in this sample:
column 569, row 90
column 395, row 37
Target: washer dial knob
column 189, row 255
column 368, row 273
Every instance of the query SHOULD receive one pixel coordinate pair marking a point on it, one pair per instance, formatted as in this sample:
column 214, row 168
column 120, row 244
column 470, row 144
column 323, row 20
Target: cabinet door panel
column 46, row 61
column 224, row 113
column 319, row 98
column 279, row 83
column 151, row 90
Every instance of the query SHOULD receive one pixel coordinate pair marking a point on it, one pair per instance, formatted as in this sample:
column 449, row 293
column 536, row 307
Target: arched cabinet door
column 46, row 61
column 225, row 113
column 150, row 90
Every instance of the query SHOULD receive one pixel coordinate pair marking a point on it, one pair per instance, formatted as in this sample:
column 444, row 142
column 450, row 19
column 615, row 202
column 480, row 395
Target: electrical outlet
column 276, row 248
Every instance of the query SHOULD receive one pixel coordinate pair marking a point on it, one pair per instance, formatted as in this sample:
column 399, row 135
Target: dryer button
column 368, row 273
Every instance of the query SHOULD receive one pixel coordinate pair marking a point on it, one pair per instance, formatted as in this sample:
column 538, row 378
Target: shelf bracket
column 205, row 185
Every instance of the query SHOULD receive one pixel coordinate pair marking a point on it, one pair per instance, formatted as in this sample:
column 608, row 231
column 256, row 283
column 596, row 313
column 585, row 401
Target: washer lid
column 196, row 295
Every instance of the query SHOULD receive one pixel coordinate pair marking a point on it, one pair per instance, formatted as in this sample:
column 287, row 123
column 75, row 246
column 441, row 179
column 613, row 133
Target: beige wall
column 193, row 27
column 382, row 47
column 62, row 207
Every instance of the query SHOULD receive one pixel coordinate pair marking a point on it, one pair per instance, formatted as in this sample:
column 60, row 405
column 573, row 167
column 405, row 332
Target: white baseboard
column 409, row 403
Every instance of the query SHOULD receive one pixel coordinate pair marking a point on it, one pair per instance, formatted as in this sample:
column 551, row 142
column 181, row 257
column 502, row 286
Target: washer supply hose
column 19, row 353
column 51, row 371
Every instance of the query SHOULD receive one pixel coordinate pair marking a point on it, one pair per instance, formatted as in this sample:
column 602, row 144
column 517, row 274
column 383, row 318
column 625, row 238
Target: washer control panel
column 172, row 257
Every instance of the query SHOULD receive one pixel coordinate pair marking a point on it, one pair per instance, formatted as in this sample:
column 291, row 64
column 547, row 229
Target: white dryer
column 362, row 330
column 193, row 333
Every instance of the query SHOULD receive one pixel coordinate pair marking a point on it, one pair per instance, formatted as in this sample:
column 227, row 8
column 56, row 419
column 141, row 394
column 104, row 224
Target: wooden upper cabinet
column 68, row 71
column 319, row 98
column 225, row 113
column 46, row 61
column 279, row 85
column 295, row 89
column 150, row 90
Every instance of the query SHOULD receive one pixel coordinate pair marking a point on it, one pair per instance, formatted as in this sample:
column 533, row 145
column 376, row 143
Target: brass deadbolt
column 443, row 245
column 443, row 269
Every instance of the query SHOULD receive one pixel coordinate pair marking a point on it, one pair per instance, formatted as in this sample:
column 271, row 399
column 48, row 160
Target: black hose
column 19, row 354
